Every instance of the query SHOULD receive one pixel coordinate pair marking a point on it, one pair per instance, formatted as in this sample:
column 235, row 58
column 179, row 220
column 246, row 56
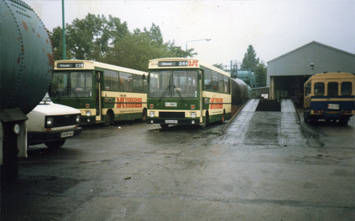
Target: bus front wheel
column 109, row 118
column 207, row 120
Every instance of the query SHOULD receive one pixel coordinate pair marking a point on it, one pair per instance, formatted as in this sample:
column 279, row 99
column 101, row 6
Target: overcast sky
column 273, row 27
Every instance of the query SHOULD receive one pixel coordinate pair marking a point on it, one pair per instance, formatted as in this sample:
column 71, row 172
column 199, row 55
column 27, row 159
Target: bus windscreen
column 178, row 83
column 71, row 84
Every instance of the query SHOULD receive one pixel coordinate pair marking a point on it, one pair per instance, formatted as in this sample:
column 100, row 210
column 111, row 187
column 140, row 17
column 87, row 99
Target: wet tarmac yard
column 262, row 165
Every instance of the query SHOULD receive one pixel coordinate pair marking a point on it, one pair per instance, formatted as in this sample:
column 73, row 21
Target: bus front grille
column 172, row 114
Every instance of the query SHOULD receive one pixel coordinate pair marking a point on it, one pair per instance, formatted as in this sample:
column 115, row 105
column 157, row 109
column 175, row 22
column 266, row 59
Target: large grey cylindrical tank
column 239, row 91
column 26, row 57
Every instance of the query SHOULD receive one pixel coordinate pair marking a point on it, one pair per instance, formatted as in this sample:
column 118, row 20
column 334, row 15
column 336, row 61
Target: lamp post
column 205, row 39
column 63, row 30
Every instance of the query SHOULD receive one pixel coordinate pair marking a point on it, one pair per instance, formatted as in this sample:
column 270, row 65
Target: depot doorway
column 290, row 87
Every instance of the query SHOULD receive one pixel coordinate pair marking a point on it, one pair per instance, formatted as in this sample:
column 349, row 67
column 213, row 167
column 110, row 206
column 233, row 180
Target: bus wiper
column 179, row 94
column 163, row 94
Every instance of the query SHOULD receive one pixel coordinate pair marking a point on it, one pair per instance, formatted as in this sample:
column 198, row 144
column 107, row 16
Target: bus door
column 200, row 79
column 98, row 75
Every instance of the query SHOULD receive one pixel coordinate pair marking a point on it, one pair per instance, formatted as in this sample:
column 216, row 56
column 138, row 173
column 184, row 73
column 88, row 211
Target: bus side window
column 126, row 83
column 111, row 80
column 214, row 83
column 221, row 83
column 333, row 89
column 346, row 88
column 138, row 83
column 319, row 89
column 207, row 79
column 226, row 85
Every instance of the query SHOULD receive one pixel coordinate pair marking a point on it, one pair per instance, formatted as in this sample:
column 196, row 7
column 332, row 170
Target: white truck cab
column 52, row 124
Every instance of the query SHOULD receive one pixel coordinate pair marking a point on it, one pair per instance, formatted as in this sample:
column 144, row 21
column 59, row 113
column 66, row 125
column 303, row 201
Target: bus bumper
column 189, row 121
column 85, row 120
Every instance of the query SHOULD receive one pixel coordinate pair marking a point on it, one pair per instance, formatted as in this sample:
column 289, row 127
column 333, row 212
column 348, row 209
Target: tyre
column 343, row 121
column 313, row 120
column 109, row 119
column 207, row 120
column 305, row 117
column 55, row 143
column 144, row 115
column 223, row 116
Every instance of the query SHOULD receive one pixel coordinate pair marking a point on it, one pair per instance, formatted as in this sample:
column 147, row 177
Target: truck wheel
column 55, row 143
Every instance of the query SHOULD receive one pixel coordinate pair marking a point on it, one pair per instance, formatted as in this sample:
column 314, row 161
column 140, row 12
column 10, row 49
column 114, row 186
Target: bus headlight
column 151, row 114
column 88, row 113
column 193, row 114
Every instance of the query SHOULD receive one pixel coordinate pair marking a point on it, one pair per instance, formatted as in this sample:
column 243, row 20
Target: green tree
column 90, row 38
column 57, row 43
column 250, row 61
column 109, row 40
column 136, row 49
column 260, row 75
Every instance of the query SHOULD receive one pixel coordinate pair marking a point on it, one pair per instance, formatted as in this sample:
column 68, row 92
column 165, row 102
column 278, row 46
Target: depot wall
column 301, row 63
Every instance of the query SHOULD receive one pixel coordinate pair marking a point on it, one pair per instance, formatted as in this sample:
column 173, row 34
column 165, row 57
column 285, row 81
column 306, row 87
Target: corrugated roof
column 311, row 43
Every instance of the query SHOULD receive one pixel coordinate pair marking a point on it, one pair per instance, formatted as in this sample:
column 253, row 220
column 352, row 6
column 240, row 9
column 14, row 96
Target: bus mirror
column 143, row 76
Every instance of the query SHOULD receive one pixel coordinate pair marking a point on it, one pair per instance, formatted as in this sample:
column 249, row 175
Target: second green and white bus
column 187, row 91
column 103, row 93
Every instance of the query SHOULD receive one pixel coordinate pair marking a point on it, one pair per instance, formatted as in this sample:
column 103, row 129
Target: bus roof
column 168, row 63
column 332, row 75
column 91, row 65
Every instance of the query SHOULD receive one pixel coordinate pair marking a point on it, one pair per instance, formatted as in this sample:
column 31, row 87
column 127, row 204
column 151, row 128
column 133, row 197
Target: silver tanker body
column 240, row 91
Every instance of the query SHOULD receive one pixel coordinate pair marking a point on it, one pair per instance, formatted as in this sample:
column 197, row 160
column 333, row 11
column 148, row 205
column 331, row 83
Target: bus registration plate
column 333, row 106
column 67, row 134
column 171, row 121
column 170, row 104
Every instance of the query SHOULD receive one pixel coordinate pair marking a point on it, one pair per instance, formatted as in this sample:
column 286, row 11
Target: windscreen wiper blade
column 163, row 94
column 179, row 94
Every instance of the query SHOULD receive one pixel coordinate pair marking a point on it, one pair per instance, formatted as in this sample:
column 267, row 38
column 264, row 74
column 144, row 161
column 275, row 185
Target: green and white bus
column 187, row 91
column 103, row 93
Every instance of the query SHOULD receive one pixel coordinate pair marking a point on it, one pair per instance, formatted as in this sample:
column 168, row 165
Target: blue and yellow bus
column 187, row 91
column 329, row 96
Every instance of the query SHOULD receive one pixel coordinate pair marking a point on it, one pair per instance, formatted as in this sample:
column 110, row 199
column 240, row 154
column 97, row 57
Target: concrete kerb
column 234, row 116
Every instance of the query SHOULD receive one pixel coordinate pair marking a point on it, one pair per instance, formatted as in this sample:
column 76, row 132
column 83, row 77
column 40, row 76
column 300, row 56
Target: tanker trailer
column 26, row 65
column 239, row 91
